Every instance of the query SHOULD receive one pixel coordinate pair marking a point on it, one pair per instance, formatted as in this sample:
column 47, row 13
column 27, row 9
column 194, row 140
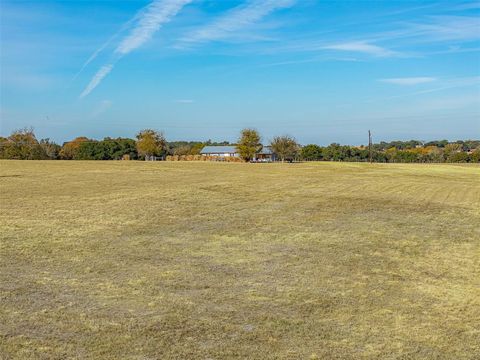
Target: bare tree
column 286, row 147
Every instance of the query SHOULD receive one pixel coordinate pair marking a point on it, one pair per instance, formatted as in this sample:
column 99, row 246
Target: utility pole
column 370, row 146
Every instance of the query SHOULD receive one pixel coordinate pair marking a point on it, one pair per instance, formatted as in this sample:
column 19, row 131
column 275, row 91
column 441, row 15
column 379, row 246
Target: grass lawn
column 135, row 260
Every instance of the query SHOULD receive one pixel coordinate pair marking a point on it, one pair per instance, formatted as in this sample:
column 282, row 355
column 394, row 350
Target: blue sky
column 322, row 71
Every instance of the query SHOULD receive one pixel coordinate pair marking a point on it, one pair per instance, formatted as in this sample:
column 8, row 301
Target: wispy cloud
column 106, row 44
column 149, row 20
column 444, row 85
column 311, row 60
column 433, row 29
column 158, row 13
column 100, row 108
column 236, row 19
column 97, row 78
column 408, row 80
column 362, row 47
column 445, row 28
column 455, row 33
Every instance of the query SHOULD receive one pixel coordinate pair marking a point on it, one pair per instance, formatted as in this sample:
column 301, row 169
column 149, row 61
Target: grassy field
column 134, row 260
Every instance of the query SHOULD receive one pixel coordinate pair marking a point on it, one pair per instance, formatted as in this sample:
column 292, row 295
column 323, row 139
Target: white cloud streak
column 97, row 78
column 149, row 21
column 362, row 47
column 238, row 18
column 447, row 28
column 433, row 29
column 157, row 13
column 105, row 44
column 409, row 80
column 445, row 85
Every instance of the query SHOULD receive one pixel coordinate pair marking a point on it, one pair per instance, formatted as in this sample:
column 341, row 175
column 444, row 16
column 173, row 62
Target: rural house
column 266, row 154
column 221, row 151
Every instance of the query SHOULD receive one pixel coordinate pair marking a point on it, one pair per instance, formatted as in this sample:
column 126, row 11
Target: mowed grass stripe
column 263, row 261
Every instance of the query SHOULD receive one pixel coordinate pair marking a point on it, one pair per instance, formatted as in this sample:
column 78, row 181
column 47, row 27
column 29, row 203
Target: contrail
column 99, row 50
column 158, row 13
column 236, row 19
column 150, row 19
column 97, row 78
column 108, row 42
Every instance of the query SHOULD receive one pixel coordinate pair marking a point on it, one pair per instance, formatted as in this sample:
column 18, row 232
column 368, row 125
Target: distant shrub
column 475, row 156
column 459, row 157
column 311, row 152
column 23, row 145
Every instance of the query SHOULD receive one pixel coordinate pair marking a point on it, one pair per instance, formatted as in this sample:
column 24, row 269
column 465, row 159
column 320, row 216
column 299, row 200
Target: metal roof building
column 266, row 150
column 220, row 151
column 266, row 154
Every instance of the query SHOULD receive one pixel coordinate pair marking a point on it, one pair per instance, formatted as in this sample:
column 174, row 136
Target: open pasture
column 159, row 260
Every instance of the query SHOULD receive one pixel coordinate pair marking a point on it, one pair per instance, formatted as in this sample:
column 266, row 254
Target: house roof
column 231, row 149
column 266, row 150
column 219, row 150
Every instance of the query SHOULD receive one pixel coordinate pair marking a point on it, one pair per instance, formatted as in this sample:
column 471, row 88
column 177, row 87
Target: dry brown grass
column 200, row 260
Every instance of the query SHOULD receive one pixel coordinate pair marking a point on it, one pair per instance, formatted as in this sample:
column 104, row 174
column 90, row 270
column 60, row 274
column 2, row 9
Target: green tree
column 405, row 156
column 336, row 152
column 51, row 149
column 475, row 156
column 360, row 154
column 107, row 149
column 115, row 149
column 249, row 144
column 70, row 149
column 195, row 150
column 151, row 143
column 459, row 157
column 451, row 150
column 286, row 147
column 311, row 152
column 437, row 143
column 22, row 145
column 90, row 150
column 3, row 147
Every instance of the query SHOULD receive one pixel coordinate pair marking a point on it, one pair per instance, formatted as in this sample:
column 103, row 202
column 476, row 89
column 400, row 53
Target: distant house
column 221, row 151
column 266, row 154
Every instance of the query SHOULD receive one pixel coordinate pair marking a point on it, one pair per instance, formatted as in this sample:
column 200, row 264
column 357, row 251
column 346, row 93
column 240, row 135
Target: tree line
column 454, row 152
column 23, row 145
